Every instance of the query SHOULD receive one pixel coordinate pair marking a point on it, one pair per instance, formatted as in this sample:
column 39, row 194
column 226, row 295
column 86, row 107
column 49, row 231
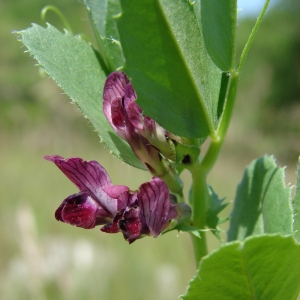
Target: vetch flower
column 147, row 211
column 125, row 116
column 91, row 206
column 151, row 143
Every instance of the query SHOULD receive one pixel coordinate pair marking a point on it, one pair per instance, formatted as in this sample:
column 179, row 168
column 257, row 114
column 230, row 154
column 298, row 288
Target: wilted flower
column 147, row 211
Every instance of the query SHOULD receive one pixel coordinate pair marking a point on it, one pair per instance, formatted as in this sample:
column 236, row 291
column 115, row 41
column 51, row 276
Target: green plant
column 180, row 57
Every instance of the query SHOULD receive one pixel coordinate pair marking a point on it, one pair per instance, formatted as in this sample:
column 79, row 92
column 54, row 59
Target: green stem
column 106, row 67
column 199, row 199
column 216, row 144
column 58, row 13
column 252, row 35
column 200, row 171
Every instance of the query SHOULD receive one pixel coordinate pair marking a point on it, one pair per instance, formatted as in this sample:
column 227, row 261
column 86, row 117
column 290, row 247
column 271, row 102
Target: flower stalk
column 199, row 200
column 200, row 170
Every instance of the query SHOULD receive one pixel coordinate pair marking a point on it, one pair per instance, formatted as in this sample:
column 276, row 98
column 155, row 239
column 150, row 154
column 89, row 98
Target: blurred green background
column 41, row 258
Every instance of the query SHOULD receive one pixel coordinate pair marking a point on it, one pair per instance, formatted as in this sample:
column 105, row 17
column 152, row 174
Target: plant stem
column 199, row 201
column 216, row 144
column 200, row 171
column 58, row 13
column 100, row 46
column 252, row 35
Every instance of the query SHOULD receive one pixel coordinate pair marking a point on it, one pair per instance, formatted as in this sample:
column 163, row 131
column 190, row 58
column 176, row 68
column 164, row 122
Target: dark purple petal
column 114, row 88
column 130, row 96
column 135, row 117
column 88, row 176
column 173, row 211
column 81, row 210
column 113, row 226
column 132, row 223
column 133, row 111
column 118, row 116
column 154, row 201
column 147, row 212
column 117, row 96
column 133, row 197
column 113, row 93
column 144, row 150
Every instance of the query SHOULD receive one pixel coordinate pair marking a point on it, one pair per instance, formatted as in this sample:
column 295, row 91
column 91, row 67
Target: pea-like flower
column 151, row 143
column 147, row 211
column 128, row 120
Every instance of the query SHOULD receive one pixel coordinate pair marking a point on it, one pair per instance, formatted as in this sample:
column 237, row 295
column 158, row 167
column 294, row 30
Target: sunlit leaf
column 73, row 64
column 176, row 82
column 262, row 203
column 218, row 19
column 261, row 267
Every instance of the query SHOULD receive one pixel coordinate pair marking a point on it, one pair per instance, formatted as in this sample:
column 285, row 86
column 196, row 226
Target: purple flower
column 148, row 140
column 134, row 213
column 91, row 206
column 148, row 214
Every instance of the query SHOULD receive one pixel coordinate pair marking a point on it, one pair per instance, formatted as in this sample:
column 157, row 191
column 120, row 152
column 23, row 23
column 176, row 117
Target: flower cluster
column 147, row 211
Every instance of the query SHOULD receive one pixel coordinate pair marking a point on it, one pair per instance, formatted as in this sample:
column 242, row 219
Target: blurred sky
column 251, row 7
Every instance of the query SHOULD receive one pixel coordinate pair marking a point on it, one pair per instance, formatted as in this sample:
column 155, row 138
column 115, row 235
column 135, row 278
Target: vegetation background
column 41, row 258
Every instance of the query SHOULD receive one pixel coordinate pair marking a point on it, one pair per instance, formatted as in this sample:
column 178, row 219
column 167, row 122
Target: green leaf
column 264, row 267
column 296, row 207
column 218, row 19
column 176, row 82
column 102, row 19
column 186, row 228
column 73, row 64
column 215, row 206
column 262, row 203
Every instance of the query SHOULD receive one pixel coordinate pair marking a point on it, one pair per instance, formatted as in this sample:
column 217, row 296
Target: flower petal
column 154, row 201
column 83, row 211
column 115, row 191
column 88, row 176
column 133, row 111
column 132, row 224
column 122, row 194
column 113, row 226
column 147, row 154
column 118, row 117
column 113, row 93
